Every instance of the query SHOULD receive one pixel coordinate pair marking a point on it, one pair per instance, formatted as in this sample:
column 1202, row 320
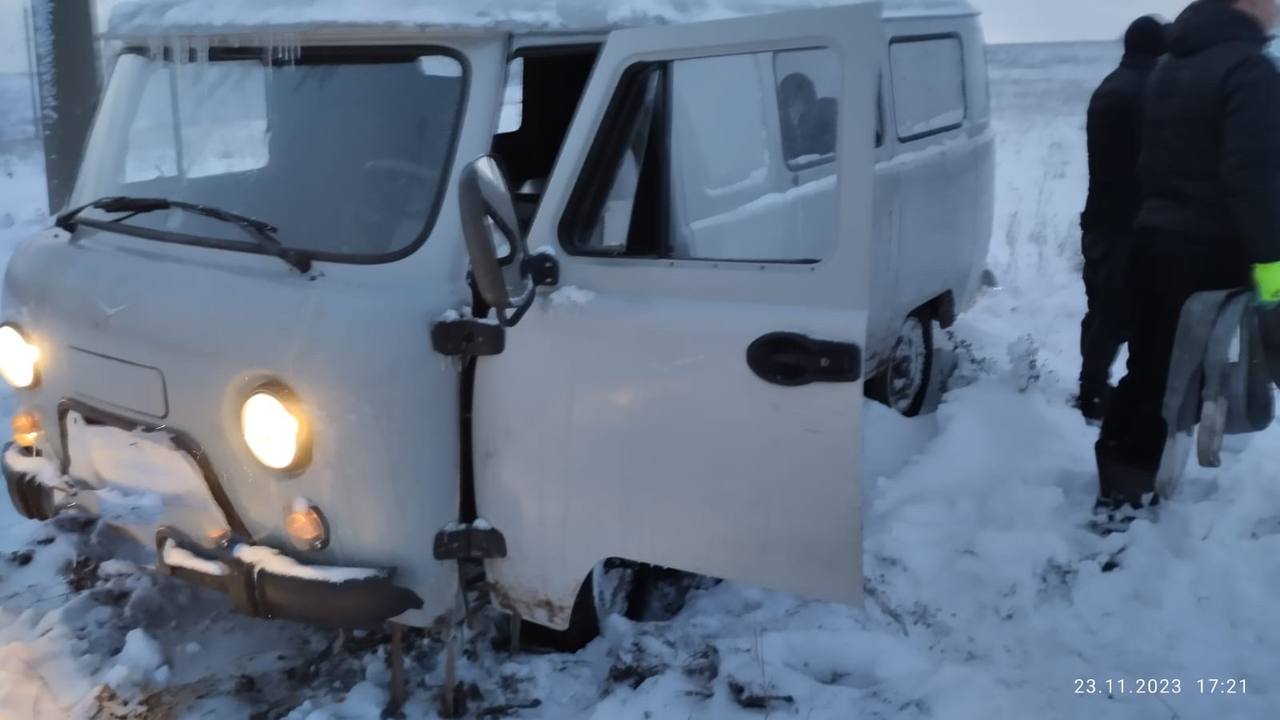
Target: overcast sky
column 1060, row 20
column 1004, row 20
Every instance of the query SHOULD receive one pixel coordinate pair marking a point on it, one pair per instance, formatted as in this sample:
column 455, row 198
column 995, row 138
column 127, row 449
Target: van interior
column 544, row 87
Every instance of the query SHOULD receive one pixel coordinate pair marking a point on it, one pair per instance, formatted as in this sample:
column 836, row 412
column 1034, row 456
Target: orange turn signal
column 26, row 429
column 307, row 527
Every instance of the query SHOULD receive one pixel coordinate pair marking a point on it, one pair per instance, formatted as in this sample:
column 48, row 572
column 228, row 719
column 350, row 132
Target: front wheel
column 606, row 591
column 636, row 591
column 904, row 383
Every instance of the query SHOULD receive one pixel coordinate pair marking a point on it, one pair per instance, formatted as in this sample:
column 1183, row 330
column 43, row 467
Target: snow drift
column 986, row 595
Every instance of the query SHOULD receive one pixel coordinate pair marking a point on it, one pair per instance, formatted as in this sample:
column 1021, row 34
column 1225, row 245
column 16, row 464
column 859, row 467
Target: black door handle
column 793, row 360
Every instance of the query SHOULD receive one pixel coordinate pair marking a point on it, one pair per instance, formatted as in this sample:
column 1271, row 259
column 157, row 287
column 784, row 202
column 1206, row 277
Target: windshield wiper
column 263, row 234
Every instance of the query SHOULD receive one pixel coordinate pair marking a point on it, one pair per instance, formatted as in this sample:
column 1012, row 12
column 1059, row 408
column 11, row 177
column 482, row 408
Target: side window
column 512, row 117
column 613, row 225
column 928, row 85
column 808, row 84
column 705, row 159
column 720, row 109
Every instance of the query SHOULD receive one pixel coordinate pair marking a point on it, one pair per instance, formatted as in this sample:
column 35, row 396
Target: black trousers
column 1107, row 323
column 1167, row 268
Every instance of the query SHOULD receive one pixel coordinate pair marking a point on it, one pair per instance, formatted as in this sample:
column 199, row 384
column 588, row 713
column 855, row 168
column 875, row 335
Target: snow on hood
column 159, row 17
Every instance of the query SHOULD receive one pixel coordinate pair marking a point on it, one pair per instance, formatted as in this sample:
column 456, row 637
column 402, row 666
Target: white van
column 293, row 334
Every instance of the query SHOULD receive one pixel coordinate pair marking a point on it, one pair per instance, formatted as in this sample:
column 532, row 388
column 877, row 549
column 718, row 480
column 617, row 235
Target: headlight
column 18, row 358
column 275, row 429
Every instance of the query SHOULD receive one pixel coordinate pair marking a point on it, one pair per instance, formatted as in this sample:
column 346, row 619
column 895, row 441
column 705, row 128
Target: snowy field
column 17, row 118
column 986, row 596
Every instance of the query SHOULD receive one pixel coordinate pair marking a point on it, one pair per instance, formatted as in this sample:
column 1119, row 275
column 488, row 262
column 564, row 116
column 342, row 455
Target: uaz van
column 331, row 315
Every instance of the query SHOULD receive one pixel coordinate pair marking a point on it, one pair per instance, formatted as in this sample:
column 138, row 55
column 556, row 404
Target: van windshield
column 346, row 153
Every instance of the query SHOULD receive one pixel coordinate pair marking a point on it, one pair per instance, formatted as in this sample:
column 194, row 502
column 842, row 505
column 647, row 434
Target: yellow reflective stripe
column 1267, row 279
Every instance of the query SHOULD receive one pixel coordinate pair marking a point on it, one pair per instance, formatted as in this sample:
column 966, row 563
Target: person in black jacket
column 1210, row 176
column 1114, row 130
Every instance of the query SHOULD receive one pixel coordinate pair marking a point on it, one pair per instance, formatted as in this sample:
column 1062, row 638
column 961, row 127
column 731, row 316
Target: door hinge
column 470, row 541
column 468, row 337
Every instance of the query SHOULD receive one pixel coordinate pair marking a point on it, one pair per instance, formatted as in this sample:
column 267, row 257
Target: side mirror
column 494, row 242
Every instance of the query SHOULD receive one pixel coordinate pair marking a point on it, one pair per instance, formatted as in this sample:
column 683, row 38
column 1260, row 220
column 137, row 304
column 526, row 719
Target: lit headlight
column 18, row 358
column 275, row 430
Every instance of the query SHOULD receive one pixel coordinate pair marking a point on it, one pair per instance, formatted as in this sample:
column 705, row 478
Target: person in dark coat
column 1114, row 130
column 1210, row 177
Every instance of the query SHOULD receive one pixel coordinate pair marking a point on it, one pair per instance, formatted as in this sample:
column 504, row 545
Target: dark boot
column 1123, row 487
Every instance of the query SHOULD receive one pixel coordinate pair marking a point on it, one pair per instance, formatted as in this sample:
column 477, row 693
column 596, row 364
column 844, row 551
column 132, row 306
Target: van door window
column 808, row 84
column 704, row 159
column 613, row 224
column 928, row 85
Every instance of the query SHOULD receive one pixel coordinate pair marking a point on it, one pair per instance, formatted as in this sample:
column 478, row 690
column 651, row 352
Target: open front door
column 690, row 395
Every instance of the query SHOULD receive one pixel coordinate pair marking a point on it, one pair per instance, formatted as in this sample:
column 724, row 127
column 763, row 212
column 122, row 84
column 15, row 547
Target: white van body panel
column 934, row 195
column 353, row 344
column 623, row 421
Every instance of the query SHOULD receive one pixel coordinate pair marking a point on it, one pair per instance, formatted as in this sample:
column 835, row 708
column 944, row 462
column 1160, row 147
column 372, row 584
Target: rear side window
column 928, row 85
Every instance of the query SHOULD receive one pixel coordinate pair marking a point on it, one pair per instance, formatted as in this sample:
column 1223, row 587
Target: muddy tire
column 903, row 384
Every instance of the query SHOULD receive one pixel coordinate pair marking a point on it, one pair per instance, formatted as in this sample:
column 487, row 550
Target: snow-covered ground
column 986, row 595
column 17, row 115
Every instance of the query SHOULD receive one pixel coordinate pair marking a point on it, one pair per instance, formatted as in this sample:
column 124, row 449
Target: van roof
column 169, row 18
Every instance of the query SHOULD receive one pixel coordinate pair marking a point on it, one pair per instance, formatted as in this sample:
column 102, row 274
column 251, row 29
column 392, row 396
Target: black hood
column 1146, row 38
column 1206, row 23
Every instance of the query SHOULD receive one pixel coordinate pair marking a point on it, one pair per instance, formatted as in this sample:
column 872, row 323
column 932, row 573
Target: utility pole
column 67, row 78
column 32, row 84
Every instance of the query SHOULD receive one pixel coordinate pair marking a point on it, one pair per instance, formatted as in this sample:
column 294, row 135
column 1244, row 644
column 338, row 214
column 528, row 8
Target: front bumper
column 259, row 581
column 315, row 595
column 31, row 498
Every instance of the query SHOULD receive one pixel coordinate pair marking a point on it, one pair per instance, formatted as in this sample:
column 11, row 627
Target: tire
column 903, row 384
column 638, row 592
column 616, row 580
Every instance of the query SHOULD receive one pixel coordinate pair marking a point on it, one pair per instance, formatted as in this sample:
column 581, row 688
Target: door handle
column 794, row 360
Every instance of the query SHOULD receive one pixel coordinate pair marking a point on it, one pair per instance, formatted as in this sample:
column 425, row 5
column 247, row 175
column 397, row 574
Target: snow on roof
column 202, row 17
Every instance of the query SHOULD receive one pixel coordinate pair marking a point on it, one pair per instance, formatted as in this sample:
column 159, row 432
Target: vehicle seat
column 527, row 199
column 822, row 127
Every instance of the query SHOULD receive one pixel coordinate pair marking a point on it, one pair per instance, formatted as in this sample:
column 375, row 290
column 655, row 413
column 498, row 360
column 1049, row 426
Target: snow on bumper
column 32, row 481
column 260, row 581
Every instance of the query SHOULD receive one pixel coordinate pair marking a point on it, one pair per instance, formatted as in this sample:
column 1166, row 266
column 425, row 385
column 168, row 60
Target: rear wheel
column 904, row 383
